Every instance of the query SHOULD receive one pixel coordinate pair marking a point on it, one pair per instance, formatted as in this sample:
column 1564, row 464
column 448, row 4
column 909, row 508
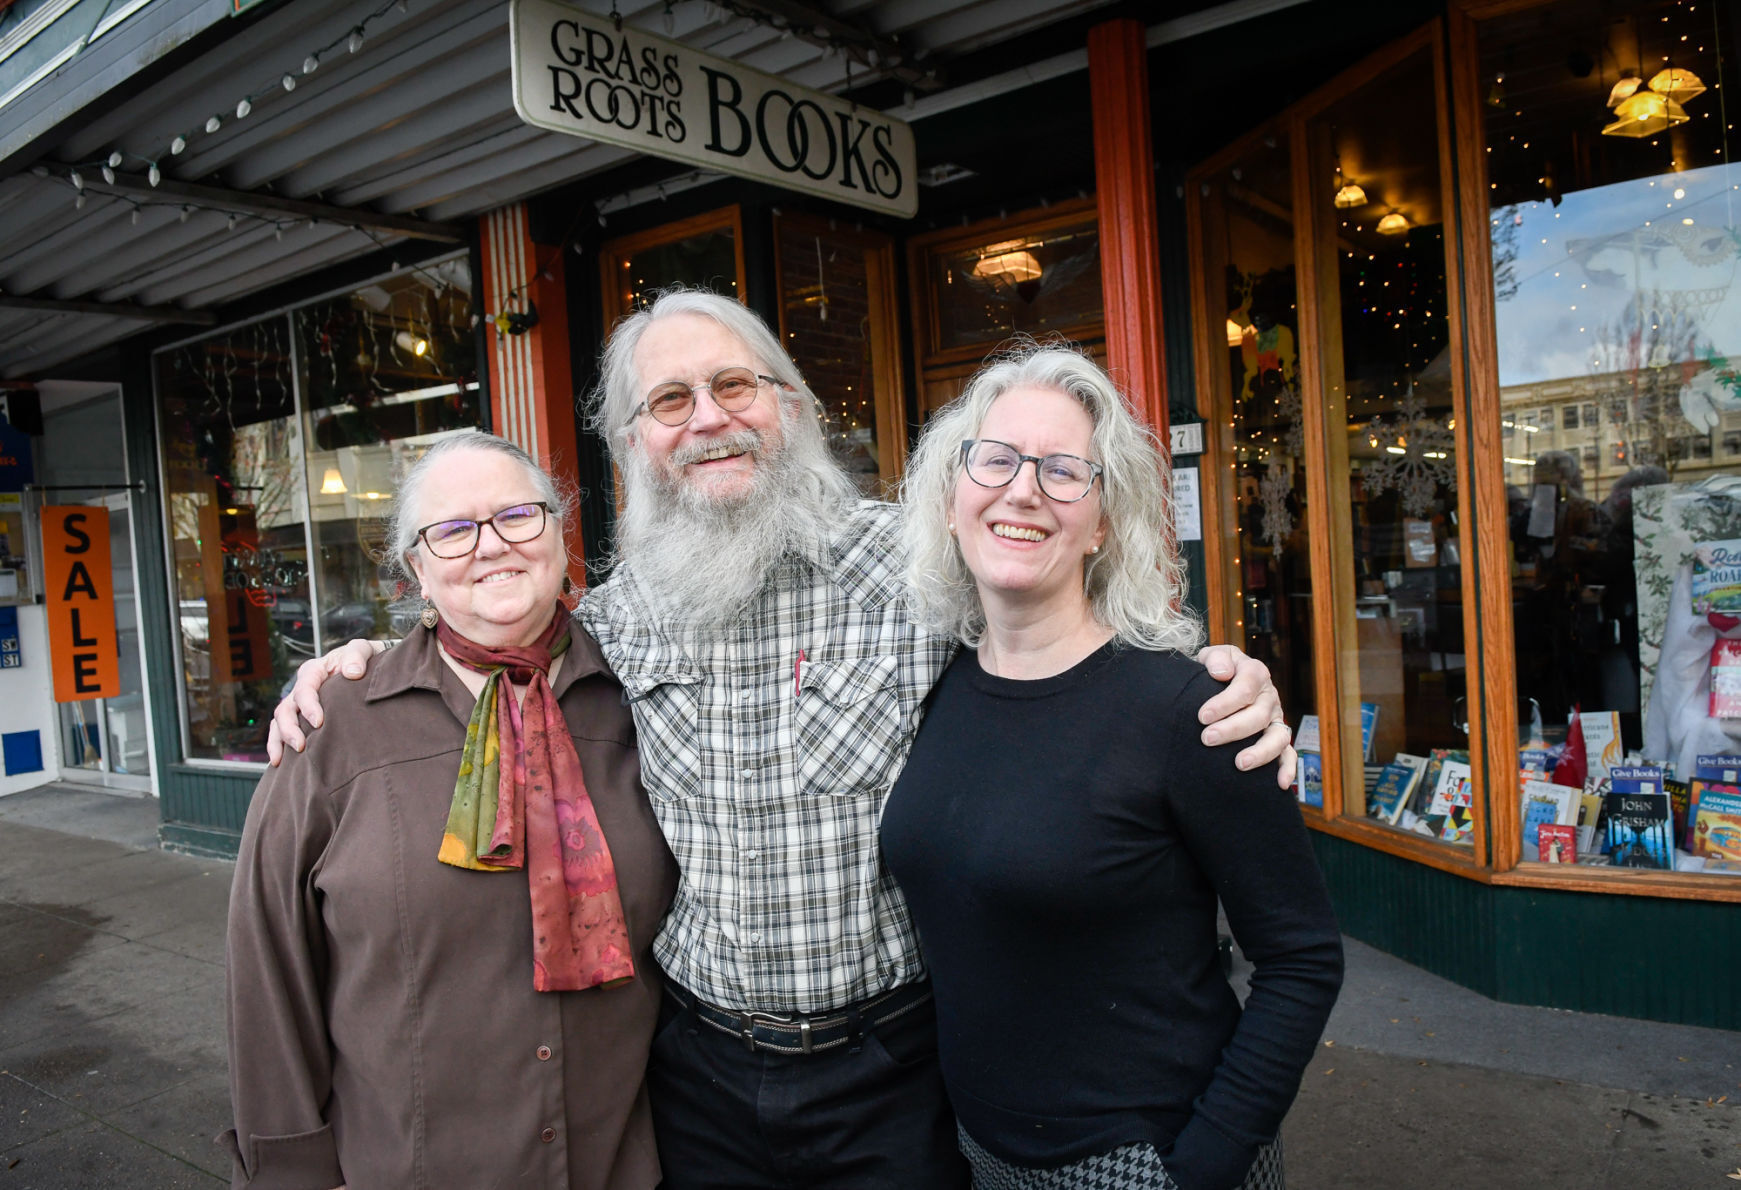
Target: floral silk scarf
column 520, row 801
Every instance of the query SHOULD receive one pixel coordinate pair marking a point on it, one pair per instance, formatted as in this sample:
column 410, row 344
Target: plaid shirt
column 769, row 777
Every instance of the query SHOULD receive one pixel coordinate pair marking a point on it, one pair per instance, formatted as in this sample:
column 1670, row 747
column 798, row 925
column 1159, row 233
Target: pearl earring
column 1094, row 549
column 952, row 526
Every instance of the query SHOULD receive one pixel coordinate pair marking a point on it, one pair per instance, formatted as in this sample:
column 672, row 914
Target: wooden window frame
column 1496, row 858
column 889, row 397
column 936, row 363
column 613, row 252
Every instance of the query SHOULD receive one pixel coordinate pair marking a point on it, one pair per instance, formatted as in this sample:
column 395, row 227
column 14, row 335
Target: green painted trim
column 198, row 840
column 1651, row 957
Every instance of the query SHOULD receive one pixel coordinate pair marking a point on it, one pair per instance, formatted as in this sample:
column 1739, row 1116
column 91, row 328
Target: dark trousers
column 878, row 1119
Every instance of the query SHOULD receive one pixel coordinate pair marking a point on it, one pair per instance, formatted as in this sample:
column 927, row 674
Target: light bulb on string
column 278, row 232
column 115, row 159
column 78, row 180
column 185, row 212
column 177, row 145
column 356, row 40
column 230, row 224
column 244, row 107
column 310, row 64
column 79, row 202
column 154, row 175
column 214, row 123
column 108, row 174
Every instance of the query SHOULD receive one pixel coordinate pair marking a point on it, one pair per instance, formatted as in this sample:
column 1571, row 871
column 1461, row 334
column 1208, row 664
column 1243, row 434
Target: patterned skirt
column 1134, row 1167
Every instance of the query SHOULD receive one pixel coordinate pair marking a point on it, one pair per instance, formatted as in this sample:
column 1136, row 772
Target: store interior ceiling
column 407, row 133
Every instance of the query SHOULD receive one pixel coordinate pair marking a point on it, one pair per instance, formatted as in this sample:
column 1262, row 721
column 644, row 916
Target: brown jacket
column 383, row 1028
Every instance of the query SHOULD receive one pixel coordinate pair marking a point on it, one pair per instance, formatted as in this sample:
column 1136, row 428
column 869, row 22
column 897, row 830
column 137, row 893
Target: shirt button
column 752, row 853
column 747, row 771
column 755, row 937
column 548, row 1135
column 544, row 1053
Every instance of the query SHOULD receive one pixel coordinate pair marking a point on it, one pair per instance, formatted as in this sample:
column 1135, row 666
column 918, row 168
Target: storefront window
column 281, row 441
column 704, row 252
column 838, row 322
column 1248, row 237
column 1388, row 406
column 1616, row 234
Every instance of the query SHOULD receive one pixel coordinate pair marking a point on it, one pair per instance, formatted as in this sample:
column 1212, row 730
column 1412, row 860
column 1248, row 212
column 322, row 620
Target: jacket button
column 544, row 1053
column 548, row 1135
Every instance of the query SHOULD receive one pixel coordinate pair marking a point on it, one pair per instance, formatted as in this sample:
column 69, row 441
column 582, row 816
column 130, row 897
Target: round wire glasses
column 1064, row 478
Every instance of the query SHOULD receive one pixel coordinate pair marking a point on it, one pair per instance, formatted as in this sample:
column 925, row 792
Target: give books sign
column 578, row 73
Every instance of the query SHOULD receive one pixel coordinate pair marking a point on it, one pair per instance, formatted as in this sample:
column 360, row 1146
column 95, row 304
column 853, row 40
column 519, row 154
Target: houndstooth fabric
column 769, row 778
column 1133, row 1167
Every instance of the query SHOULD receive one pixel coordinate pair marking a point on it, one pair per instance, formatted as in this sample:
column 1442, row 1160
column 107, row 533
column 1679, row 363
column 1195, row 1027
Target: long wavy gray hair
column 1135, row 584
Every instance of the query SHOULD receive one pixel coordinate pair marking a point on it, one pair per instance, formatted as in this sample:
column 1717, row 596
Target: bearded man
column 755, row 620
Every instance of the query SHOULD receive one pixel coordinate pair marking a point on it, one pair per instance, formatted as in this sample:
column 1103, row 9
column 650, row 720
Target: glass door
column 107, row 740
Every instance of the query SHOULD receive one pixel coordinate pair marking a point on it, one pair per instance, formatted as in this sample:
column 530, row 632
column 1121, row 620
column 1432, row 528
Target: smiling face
column 502, row 593
column 715, row 454
column 1022, row 547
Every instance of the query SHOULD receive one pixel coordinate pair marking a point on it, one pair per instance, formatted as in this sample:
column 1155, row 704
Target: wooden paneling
column 1224, row 590
column 1124, row 173
column 1480, row 451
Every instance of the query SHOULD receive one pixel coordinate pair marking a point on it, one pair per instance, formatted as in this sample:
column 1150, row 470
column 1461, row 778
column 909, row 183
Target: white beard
column 702, row 559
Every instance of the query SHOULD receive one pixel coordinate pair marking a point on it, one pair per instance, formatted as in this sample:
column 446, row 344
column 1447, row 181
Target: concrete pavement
column 112, row 1065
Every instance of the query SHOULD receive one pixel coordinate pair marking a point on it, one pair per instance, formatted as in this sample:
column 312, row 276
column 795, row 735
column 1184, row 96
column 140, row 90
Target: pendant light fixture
column 1348, row 194
column 1645, row 113
column 1393, row 224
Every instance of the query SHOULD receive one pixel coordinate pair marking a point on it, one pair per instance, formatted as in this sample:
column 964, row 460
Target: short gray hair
column 1135, row 584
column 402, row 523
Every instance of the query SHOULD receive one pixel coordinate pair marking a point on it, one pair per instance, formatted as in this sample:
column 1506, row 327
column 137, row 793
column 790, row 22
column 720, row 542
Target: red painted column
column 532, row 398
column 1124, row 172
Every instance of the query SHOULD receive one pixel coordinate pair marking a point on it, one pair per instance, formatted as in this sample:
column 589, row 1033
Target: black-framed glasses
column 1064, row 478
column 457, row 538
column 733, row 389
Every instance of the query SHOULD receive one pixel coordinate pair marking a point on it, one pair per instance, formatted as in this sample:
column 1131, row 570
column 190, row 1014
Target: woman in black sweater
column 1061, row 833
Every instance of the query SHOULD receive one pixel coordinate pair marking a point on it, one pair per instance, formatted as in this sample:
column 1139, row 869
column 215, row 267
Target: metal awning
column 406, row 130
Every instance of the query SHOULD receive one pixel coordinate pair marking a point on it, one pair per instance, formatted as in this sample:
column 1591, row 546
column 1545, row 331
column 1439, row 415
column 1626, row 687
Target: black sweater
column 1062, row 844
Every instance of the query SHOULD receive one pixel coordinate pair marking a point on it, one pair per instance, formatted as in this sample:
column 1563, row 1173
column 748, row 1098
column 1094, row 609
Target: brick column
column 532, row 398
column 1124, row 172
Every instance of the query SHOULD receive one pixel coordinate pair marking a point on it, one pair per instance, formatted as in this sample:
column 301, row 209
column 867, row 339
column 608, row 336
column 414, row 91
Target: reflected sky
column 1579, row 266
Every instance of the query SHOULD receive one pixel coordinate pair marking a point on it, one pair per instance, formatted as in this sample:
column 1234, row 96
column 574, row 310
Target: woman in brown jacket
column 440, row 971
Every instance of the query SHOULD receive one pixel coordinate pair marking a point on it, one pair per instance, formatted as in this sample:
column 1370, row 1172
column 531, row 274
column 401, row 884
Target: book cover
column 1452, row 789
column 1638, row 830
column 1717, row 827
column 1368, row 727
column 1679, row 804
column 1536, row 760
column 1715, row 770
column 1391, row 791
column 1306, row 739
column 1557, row 844
column 1309, row 781
column 1726, row 680
column 1421, row 803
column 1716, row 585
column 1601, row 741
column 1547, row 803
column 1458, row 826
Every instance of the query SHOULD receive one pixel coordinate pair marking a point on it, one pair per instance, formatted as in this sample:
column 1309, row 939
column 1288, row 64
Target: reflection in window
column 1614, row 225
column 1388, row 401
column 376, row 371
column 702, row 253
column 1039, row 282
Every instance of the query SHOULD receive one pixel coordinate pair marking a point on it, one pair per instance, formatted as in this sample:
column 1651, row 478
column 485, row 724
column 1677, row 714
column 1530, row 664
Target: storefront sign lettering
column 576, row 73
column 82, row 643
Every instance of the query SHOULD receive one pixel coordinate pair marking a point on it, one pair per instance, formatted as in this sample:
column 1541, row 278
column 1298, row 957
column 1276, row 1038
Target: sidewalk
column 112, row 1067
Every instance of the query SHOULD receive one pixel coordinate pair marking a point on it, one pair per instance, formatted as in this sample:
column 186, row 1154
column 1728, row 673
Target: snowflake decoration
column 1273, row 492
column 1288, row 407
column 1417, row 473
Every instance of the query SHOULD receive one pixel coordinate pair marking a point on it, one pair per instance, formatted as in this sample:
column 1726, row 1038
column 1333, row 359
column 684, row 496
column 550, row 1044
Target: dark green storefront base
column 1650, row 957
column 203, row 810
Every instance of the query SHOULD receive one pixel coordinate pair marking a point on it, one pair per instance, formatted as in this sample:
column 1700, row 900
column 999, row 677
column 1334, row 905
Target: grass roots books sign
column 578, row 73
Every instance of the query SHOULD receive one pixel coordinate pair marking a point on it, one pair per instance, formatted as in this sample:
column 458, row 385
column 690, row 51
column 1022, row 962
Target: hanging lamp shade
column 1011, row 267
column 332, row 484
column 1645, row 113
column 1624, row 89
column 1350, row 195
column 1236, row 331
column 1677, row 84
column 1393, row 224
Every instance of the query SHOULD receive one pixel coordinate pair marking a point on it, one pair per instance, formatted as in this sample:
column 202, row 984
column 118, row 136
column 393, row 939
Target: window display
column 281, row 443
column 1615, row 223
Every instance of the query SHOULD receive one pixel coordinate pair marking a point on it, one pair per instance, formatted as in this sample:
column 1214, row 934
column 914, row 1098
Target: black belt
column 806, row 1034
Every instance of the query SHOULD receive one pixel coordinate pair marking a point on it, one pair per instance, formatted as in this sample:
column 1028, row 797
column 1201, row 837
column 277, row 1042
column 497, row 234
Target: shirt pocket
column 667, row 709
column 848, row 724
